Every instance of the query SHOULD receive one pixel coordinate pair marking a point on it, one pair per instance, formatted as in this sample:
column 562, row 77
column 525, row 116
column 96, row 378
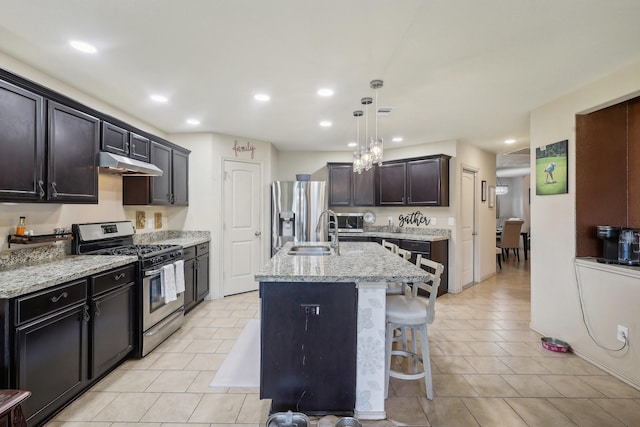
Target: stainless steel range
column 157, row 319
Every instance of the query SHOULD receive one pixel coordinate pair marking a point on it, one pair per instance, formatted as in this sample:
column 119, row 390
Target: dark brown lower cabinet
column 437, row 251
column 196, row 274
column 112, row 328
column 308, row 357
column 51, row 360
column 62, row 339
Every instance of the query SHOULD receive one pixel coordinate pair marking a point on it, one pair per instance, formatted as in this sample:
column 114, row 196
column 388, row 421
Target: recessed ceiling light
column 325, row 124
column 83, row 47
column 325, row 92
column 262, row 97
column 397, row 139
column 159, row 98
column 193, row 122
column 352, row 144
column 509, row 141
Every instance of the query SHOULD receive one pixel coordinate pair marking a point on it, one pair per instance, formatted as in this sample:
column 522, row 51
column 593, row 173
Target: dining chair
column 510, row 238
column 391, row 246
column 414, row 312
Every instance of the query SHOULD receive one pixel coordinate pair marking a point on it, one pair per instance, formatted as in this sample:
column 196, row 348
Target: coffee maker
column 610, row 236
column 629, row 247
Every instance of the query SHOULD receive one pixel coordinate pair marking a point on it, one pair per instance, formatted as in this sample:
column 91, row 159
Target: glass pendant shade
column 372, row 149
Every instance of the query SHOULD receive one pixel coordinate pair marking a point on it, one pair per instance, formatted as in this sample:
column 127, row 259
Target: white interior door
column 242, row 230
column 467, row 225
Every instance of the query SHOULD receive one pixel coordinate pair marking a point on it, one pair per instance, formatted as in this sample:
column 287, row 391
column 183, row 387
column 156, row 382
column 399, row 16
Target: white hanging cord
column 584, row 317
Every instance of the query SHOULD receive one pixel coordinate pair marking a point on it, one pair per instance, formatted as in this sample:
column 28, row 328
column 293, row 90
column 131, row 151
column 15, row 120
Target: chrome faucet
column 335, row 244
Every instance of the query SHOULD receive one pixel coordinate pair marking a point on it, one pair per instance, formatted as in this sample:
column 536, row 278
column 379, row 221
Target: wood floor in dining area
column 489, row 369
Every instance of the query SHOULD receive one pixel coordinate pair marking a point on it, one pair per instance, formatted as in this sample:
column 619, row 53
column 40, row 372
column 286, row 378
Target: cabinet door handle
column 403, row 200
column 54, row 189
column 41, row 187
column 59, row 297
column 97, row 309
column 119, row 276
column 85, row 313
column 173, row 198
column 409, row 199
column 132, row 148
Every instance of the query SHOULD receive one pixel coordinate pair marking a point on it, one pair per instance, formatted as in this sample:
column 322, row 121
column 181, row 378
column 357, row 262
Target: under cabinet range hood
column 113, row 163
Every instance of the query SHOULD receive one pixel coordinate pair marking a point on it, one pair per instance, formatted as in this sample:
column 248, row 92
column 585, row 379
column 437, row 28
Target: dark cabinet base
column 308, row 347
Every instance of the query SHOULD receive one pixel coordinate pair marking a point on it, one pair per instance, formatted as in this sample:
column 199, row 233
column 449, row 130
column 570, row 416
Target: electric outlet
column 433, row 221
column 310, row 309
column 452, row 220
column 623, row 333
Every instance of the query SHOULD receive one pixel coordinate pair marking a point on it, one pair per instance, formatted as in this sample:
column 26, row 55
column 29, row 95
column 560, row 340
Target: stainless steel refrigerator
column 295, row 209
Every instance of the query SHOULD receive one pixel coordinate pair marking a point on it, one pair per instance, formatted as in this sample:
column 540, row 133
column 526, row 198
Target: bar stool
column 416, row 313
column 397, row 288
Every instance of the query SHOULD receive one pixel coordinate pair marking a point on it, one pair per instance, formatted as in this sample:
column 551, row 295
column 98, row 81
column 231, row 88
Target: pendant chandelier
column 371, row 151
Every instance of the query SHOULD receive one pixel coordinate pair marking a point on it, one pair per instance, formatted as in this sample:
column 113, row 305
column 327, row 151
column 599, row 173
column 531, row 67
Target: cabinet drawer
column 41, row 303
column 202, row 249
column 416, row 246
column 189, row 252
column 112, row 279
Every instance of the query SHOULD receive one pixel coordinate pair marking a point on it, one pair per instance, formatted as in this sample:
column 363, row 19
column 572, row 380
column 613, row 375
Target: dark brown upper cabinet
column 22, row 144
column 422, row 181
column 120, row 141
column 347, row 188
column 172, row 188
column 139, row 147
column 73, row 143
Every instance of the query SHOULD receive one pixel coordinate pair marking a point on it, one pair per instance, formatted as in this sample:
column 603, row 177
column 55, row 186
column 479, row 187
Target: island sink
column 310, row 250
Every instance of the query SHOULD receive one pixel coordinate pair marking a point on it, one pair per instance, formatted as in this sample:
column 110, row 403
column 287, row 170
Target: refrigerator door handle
column 258, row 233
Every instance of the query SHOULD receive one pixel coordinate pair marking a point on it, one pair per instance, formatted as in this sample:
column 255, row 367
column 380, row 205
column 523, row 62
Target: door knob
column 258, row 233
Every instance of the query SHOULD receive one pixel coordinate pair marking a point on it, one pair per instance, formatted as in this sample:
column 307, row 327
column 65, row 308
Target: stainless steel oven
column 157, row 319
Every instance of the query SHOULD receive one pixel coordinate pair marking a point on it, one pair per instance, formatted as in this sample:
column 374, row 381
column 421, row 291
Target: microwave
column 349, row 222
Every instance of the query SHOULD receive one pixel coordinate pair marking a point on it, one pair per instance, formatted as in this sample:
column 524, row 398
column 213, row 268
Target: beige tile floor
column 488, row 370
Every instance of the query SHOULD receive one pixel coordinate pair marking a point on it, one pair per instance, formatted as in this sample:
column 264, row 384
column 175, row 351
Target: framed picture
column 552, row 175
column 492, row 196
column 483, row 197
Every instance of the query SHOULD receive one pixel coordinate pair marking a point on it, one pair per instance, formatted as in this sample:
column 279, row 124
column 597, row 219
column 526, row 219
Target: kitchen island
column 361, row 269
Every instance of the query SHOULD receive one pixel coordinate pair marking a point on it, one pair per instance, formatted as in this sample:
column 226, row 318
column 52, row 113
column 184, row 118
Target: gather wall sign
column 415, row 218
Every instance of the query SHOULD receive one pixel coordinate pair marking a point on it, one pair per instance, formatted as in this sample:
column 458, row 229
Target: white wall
column 555, row 309
column 206, row 204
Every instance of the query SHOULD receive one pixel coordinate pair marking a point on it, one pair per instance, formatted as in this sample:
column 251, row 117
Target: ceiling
column 463, row 70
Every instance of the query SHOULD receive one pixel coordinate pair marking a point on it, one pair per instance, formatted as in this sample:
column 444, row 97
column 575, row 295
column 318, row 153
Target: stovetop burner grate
column 139, row 250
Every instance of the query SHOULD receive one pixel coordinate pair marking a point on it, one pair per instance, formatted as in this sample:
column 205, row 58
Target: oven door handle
column 151, row 273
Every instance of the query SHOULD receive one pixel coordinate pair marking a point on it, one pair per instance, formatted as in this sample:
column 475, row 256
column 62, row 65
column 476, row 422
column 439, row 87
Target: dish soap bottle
column 22, row 226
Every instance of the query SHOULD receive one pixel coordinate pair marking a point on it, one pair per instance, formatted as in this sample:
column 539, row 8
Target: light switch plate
column 157, row 220
column 141, row 219
column 452, row 220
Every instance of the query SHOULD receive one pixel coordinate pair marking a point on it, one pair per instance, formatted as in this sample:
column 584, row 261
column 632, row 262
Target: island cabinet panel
column 308, row 346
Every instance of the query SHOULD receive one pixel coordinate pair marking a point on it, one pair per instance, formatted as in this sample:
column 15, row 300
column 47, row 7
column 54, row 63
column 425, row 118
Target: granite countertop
column 34, row 277
column 28, row 270
column 398, row 235
column 357, row 262
column 182, row 238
